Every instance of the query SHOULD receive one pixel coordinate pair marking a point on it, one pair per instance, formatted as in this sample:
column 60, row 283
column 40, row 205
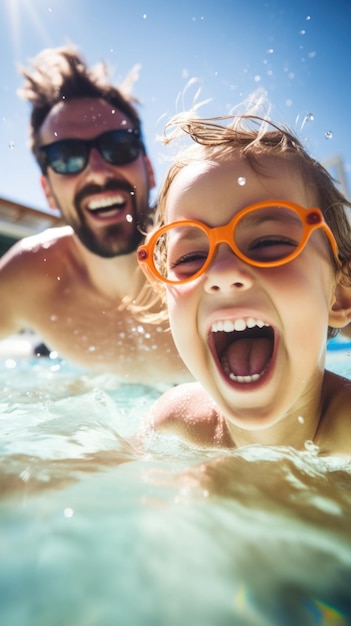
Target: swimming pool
column 96, row 531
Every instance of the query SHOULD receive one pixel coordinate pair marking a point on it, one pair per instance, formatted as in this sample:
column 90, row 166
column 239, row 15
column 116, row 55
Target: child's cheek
column 182, row 310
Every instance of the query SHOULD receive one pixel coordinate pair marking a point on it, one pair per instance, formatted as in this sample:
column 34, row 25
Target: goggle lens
column 70, row 156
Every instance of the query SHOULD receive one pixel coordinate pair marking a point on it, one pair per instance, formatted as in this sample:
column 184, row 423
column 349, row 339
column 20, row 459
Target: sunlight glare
column 19, row 13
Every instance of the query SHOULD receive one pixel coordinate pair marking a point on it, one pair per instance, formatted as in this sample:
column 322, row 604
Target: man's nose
column 97, row 164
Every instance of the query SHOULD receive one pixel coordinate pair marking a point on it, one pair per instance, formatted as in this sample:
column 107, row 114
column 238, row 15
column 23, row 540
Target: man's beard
column 114, row 239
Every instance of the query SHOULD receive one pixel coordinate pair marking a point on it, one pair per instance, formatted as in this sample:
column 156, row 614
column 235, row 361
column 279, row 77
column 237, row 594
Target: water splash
column 310, row 446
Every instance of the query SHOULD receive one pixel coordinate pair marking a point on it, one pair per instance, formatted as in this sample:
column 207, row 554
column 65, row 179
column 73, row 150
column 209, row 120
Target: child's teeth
column 240, row 324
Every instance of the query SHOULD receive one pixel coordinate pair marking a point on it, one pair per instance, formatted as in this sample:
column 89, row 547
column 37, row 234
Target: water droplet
column 312, row 54
column 328, row 134
column 310, row 446
column 301, row 419
column 68, row 512
column 11, row 145
column 91, row 348
column 308, row 117
column 302, row 32
column 53, row 318
column 129, row 218
column 270, row 51
column 308, row 18
column 144, row 16
column 257, row 78
column 241, row 181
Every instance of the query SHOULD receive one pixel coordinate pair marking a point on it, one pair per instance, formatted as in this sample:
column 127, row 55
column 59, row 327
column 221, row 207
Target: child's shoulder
column 335, row 427
column 188, row 411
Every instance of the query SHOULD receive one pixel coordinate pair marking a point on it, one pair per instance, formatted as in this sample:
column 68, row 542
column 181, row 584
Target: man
column 68, row 284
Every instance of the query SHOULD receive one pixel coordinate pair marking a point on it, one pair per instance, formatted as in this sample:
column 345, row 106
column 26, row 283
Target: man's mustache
column 111, row 185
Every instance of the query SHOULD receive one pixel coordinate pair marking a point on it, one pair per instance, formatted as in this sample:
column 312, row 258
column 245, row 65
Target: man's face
column 105, row 204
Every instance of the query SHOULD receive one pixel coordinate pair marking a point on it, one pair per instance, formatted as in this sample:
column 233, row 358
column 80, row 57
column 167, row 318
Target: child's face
column 273, row 364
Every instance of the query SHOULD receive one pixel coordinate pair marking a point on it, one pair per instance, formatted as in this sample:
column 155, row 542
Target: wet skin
column 297, row 301
column 69, row 294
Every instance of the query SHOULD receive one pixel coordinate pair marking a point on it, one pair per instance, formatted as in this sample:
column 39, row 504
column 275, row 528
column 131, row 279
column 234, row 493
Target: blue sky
column 299, row 52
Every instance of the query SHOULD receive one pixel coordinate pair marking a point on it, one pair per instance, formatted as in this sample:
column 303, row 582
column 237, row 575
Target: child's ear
column 340, row 312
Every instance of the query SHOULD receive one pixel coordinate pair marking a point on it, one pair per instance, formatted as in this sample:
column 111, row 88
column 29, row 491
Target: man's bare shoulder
column 28, row 274
column 46, row 243
column 188, row 411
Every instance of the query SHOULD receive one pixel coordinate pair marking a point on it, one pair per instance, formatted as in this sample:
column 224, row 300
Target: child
column 253, row 250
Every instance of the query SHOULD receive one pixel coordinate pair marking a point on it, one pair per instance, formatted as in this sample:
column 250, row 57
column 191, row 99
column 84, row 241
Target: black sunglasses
column 70, row 156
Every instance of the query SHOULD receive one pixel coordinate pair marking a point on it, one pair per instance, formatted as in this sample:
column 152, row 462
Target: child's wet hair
column 251, row 137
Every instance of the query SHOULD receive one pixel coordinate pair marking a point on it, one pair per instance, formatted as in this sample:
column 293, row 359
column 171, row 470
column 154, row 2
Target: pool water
column 99, row 530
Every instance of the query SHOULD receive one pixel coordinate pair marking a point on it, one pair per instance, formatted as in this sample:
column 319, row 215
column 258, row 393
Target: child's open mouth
column 243, row 348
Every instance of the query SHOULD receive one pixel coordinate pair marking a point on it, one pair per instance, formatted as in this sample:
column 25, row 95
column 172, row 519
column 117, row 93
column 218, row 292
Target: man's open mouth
column 243, row 348
column 107, row 207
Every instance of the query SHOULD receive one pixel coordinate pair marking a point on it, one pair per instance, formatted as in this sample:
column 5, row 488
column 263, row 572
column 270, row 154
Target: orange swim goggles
column 265, row 234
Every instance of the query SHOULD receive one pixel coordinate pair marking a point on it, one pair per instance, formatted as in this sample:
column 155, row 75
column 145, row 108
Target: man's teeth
column 228, row 326
column 103, row 203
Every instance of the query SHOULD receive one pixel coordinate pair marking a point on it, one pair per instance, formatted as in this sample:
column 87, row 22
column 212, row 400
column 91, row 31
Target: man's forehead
column 83, row 117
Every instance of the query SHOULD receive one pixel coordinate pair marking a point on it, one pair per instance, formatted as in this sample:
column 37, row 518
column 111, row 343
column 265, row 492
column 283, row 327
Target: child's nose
column 227, row 272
